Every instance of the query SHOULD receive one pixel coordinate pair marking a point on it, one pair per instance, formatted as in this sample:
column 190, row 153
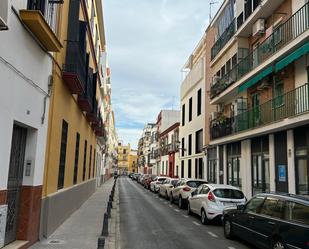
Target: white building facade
column 25, row 76
column 192, row 119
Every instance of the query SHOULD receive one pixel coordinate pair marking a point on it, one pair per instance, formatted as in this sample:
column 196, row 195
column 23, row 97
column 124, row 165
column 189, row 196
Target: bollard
column 101, row 242
column 105, row 225
column 109, row 210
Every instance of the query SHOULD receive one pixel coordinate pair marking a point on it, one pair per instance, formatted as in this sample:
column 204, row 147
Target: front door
column 15, row 177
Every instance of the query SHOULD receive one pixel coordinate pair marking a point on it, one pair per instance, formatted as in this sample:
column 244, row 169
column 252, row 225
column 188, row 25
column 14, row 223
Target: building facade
column 123, row 158
column 192, row 119
column 132, row 161
column 28, row 42
column 260, row 72
column 169, row 148
column 76, row 134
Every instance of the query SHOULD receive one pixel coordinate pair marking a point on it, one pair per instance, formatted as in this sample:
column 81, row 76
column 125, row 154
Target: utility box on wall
column 3, row 214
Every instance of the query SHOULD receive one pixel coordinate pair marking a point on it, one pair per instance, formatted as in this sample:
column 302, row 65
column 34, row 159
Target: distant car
column 148, row 181
column 135, row 176
column 270, row 221
column 209, row 200
column 167, row 186
column 154, row 185
column 183, row 190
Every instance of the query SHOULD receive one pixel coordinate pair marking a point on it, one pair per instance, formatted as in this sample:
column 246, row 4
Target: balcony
column 41, row 21
column 288, row 105
column 281, row 36
column 86, row 99
column 223, row 39
column 93, row 116
column 99, row 128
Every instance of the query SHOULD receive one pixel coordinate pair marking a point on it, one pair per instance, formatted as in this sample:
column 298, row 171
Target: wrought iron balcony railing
column 296, row 25
column 223, row 39
column 290, row 104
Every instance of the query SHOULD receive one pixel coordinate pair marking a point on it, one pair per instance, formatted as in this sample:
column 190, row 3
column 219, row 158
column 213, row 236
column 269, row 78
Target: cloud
column 148, row 42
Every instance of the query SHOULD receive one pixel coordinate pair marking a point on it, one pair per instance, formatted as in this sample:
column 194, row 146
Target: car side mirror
column 241, row 207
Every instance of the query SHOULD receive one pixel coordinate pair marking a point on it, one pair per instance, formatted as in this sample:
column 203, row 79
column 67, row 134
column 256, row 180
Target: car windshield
column 162, row 179
column 195, row 184
column 228, row 193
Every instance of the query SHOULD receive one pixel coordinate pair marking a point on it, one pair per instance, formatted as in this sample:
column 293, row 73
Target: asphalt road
column 150, row 222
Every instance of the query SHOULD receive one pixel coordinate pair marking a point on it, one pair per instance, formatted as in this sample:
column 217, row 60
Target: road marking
column 186, row 216
column 176, row 210
column 195, row 223
column 212, row 234
column 230, row 247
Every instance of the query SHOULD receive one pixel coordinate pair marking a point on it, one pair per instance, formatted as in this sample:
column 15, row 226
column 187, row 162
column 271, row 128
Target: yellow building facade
column 75, row 117
column 123, row 157
column 132, row 164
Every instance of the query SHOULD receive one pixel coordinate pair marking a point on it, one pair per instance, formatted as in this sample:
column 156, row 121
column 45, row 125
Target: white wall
column 194, row 81
column 22, row 96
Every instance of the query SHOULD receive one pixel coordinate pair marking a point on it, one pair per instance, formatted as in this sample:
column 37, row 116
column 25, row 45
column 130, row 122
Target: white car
column 209, row 200
column 183, row 190
column 167, row 186
column 154, row 185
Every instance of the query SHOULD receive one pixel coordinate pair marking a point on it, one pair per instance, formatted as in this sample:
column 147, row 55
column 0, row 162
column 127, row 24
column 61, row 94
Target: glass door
column 302, row 171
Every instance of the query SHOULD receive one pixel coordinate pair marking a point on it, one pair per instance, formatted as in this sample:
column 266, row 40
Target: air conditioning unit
column 4, row 14
column 213, row 115
column 265, row 84
column 258, row 27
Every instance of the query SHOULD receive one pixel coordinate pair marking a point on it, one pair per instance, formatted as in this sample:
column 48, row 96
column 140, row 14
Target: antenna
column 212, row 2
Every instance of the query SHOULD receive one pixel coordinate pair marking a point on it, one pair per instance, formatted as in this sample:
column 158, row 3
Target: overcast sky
column 148, row 42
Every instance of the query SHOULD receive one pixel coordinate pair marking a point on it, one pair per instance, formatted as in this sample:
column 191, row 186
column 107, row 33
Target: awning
column 255, row 79
column 292, row 57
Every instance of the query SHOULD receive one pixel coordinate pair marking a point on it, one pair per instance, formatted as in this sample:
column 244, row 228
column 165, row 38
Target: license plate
column 229, row 204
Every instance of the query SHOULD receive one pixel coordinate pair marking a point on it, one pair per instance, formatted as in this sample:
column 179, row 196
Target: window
column 190, row 145
column 195, row 184
column 183, row 146
column 269, row 206
column 199, row 102
column 90, row 155
column 162, row 169
column 76, row 158
column 166, row 168
column 85, row 158
column 189, row 168
column 278, row 93
column 199, row 141
column 228, row 193
column 196, row 168
column 183, row 114
column 63, row 150
column 94, row 162
column 204, row 190
column 297, row 212
column 254, row 204
column 182, row 168
column 190, row 109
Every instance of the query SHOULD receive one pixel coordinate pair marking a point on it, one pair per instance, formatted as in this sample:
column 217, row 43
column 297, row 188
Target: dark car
column 148, row 181
column 275, row 221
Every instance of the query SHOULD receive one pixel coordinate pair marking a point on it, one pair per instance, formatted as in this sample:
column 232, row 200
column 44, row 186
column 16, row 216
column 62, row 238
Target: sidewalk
column 82, row 229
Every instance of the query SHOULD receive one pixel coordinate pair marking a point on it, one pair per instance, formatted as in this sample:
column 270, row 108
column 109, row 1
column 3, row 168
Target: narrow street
column 147, row 221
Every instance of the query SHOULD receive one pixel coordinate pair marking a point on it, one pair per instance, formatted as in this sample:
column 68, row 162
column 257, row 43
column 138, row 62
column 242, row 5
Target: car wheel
column 204, row 218
column 228, row 229
column 180, row 202
column 189, row 209
column 278, row 245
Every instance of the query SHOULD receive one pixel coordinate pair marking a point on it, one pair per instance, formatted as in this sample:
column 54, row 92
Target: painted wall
column 22, row 96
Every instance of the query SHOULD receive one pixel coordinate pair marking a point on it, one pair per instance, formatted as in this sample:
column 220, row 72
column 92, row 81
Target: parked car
column 209, row 200
column 154, row 185
column 270, row 221
column 139, row 178
column 183, row 190
column 167, row 186
column 135, row 176
column 142, row 181
column 148, row 181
